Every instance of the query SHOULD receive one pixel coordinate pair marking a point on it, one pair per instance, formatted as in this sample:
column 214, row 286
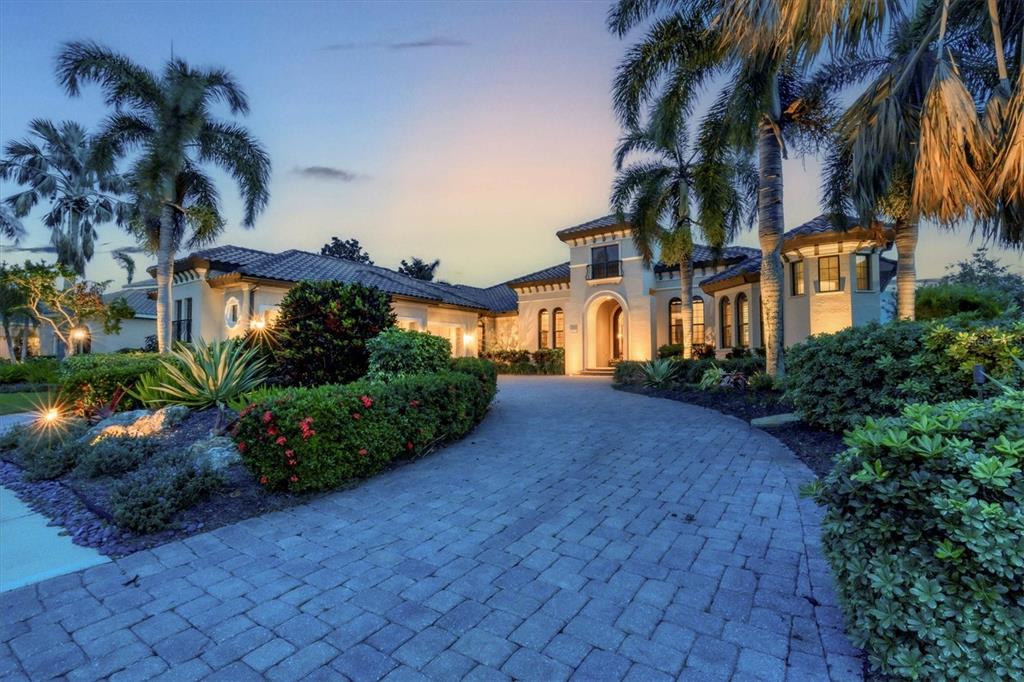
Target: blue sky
column 468, row 132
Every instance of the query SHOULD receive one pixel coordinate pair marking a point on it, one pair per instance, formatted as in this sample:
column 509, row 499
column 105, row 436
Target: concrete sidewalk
column 30, row 550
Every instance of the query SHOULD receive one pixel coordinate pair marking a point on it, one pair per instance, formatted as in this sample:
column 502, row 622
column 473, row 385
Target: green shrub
column 670, row 350
column 945, row 300
column 549, row 360
column 44, row 453
column 113, row 456
column 146, row 500
column 317, row 438
column 202, row 375
column 712, row 378
column 834, row 380
column 486, row 373
column 761, row 381
column 323, row 329
column 924, row 531
column 508, row 356
column 628, row 372
column 32, row 371
column 90, row 381
column 395, row 352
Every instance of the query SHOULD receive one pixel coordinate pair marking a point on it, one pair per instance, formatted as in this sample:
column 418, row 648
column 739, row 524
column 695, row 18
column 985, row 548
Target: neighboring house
column 602, row 305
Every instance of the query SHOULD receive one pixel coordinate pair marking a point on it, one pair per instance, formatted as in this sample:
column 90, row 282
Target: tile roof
column 705, row 255
column 556, row 273
column 499, row 299
column 749, row 265
column 137, row 298
column 230, row 254
column 295, row 265
column 591, row 226
column 822, row 224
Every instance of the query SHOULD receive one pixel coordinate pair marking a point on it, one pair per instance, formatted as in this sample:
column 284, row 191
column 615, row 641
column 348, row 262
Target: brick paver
column 578, row 533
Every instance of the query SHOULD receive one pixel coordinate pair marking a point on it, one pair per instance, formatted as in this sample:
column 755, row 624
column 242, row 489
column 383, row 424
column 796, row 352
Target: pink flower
column 281, row 440
column 263, row 480
column 294, row 478
column 241, row 446
column 414, row 403
column 408, row 446
column 362, row 452
column 267, row 416
column 289, row 453
column 356, row 415
column 367, row 401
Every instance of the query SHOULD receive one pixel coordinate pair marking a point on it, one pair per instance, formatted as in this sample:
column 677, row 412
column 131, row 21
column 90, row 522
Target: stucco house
column 602, row 305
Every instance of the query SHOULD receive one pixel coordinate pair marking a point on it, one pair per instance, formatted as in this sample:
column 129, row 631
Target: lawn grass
column 12, row 403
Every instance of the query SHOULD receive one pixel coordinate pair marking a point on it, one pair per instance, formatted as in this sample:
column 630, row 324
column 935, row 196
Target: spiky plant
column 168, row 120
column 660, row 372
column 203, row 375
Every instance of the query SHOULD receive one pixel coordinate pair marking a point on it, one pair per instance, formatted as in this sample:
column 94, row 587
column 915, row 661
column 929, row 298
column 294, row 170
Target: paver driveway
column 579, row 531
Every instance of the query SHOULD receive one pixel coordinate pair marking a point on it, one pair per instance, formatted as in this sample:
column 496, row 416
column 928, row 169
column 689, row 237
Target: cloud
column 328, row 173
column 432, row 41
column 32, row 249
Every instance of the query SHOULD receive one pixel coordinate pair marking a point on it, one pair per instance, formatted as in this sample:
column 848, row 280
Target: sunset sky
column 468, row 132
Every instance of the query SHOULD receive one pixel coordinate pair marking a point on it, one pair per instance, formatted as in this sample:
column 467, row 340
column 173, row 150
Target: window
column 675, row 321
column 796, row 276
column 481, row 337
column 828, row 273
column 725, row 317
column 743, row 320
column 232, row 311
column 558, row 322
column 543, row 329
column 181, row 327
column 863, row 263
column 698, row 321
column 604, row 262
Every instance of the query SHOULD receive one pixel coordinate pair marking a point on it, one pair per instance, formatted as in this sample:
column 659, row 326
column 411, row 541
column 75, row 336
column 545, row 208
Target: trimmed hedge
column 395, row 352
column 835, row 380
column 90, row 381
column 924, row 531
column 302, row 439
column 32, row 371
column 542, row 361
column 944, row 300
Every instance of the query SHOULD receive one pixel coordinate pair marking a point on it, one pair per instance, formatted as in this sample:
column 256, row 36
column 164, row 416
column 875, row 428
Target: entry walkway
column 579, row 532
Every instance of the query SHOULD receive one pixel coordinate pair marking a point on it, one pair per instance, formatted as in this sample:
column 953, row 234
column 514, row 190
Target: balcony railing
column 612, row 268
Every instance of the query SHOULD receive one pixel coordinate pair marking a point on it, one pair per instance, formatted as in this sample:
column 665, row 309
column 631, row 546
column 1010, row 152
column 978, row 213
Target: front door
column 617, row 334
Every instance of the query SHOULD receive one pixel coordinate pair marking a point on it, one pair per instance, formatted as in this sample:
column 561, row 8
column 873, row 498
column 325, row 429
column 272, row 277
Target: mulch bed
column 814, row 447
column 80, row 505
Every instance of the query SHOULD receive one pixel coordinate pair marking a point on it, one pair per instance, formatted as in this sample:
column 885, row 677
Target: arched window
column 743, row 320
column 558, row 323
column 543, row 329
column 725, row 321
column 675, row 321
column 698, row 321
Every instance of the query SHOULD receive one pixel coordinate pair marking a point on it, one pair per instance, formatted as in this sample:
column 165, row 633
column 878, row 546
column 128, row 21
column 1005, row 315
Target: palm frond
column 125, row 261
column 241, row 155
column 121, row 80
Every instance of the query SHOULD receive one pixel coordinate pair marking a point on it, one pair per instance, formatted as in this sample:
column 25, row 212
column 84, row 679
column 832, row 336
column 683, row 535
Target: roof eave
column 729, row 282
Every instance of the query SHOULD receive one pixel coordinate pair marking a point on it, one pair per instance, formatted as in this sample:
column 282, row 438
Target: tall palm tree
column 765, row 104
column 11, row 226
column 912, row 146
column 60, row 164
column 167, row 119
column 657, row 189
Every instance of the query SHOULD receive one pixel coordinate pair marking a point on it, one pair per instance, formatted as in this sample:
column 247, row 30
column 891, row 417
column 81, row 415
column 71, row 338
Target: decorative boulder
column 215, row 453
column 136, row 423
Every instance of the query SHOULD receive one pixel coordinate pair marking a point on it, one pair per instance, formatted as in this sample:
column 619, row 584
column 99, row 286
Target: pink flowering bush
column 301, row 439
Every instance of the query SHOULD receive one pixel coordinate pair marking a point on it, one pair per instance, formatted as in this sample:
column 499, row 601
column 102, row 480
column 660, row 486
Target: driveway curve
column 578, row 532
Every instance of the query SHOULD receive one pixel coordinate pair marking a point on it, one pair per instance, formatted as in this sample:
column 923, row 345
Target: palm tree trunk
column 25, row 329
column 164, row 279
column 770, row 223
column 906, row 275
column 686, row 312
column 9, row 339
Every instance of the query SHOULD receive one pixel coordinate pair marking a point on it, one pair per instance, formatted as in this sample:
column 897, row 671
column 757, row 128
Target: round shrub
column 90, row 382
column 945, row 300
column 113, row 456
column 323, row 329
column 835, row 380
column 146, row 500
column 395, row 352
column 924, row 531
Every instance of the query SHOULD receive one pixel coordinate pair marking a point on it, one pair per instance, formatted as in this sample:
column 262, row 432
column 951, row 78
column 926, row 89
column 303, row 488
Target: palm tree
column 764, row 106
column 419, row 268
column 63, row 167
column 11, row 226
column 166, row 118
column 660, row 186
column 911, row 146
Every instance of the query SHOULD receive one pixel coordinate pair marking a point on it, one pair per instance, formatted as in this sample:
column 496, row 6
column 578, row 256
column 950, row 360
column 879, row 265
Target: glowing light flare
column 50, row 416
column 79, row 334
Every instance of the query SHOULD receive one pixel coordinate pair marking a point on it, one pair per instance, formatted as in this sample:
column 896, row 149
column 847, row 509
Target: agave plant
column 659, row 373
column 203, row 375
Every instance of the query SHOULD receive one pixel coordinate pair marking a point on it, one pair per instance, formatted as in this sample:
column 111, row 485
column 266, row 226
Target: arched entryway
column 605, row 331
